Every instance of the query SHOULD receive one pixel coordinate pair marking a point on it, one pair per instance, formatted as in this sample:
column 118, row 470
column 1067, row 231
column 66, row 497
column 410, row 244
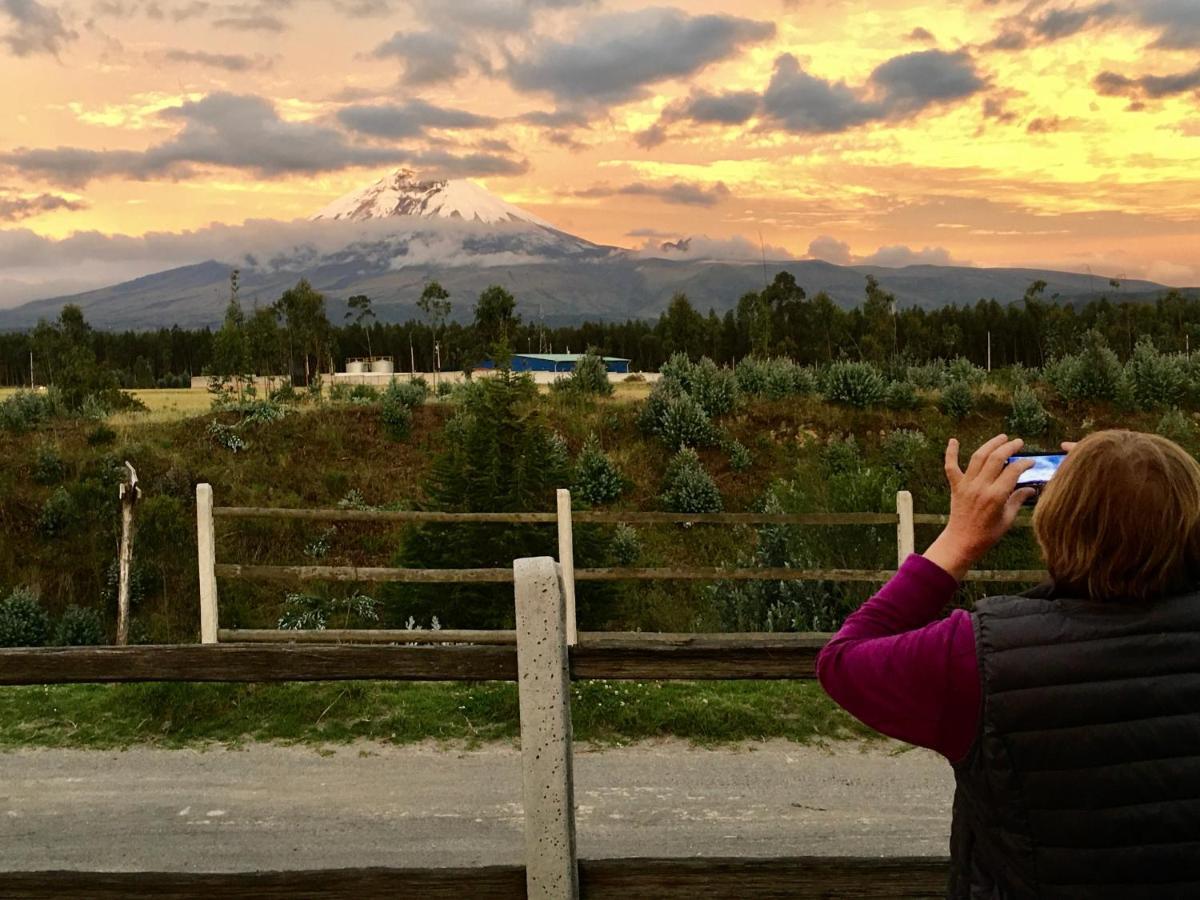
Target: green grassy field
column 603, row 712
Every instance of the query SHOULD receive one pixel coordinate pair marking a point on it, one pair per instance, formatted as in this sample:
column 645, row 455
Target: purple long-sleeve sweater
column 903, row 670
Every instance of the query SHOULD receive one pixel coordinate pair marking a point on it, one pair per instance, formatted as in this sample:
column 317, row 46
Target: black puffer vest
column 1085, row 778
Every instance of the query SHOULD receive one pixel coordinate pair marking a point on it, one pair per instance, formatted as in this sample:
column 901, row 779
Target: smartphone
column 1043, row 469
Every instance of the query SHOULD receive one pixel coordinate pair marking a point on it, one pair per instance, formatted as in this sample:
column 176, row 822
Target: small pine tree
column 23, row 621
column 958, row 400
column 687, row 487
column 597, row 478
column 857, row 384
column 79, row 627
column 1028, row 417
column 589, row 378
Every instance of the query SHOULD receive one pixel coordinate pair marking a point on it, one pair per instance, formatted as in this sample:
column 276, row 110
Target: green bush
column 1156, row 380
column 398, row 402
column 739, row 456
column 226, row 436
column 362, row 393
column 597, row 479
column 23, row 621
column 589, row 378
column 962, row 369
column 1094, row 374
column 927, row 377
column 626, row 545
column 101, row 436
column 902, row 449
column 841, row 456
column 714, row 388
column 57, row 515
column 902, row 395
column 687, row 487
column 1176, row 425
column 957, row 400
column 857, row 384
column 48, row 466
column 1028, row 417
column 26, row 410
column 676, row 417
column 774, row 378
column 79, row 627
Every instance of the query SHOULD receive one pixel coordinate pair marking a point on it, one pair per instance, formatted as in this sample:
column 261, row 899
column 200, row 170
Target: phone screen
column 1043, row 469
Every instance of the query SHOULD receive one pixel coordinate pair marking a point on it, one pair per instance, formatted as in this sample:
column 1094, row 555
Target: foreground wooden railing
column 543, row 665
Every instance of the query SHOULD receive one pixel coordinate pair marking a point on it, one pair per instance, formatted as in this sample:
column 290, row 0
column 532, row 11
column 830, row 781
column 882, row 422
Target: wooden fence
column 904, row 520
column 543, row 664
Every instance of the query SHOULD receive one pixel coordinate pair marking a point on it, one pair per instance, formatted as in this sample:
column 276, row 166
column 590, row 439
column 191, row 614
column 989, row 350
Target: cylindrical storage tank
column 355, row 367
column 382, row 366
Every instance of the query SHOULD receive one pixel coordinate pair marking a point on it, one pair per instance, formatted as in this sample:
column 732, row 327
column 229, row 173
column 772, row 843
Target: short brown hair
column 1121, row 518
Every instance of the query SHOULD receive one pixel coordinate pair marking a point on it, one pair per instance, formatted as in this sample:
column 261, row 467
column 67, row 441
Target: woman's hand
column 984, row 502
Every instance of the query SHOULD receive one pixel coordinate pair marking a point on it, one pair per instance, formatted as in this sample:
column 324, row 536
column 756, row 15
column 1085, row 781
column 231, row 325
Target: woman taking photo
column 1070, row 714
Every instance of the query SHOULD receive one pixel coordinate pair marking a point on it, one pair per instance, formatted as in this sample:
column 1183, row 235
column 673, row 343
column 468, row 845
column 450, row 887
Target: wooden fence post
column 544, row 686
column 566, row 559
column 206, row 549
column 129, row 495
column 906, row 537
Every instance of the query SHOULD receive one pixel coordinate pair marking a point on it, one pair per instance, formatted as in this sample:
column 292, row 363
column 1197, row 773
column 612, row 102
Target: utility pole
column 989, row 367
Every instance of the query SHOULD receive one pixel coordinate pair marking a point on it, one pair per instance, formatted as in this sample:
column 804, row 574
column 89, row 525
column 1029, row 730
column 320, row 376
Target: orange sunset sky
column 987, row 132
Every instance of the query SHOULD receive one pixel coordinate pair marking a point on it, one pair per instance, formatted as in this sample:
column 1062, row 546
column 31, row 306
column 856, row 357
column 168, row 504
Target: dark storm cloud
column 681, row 192
column 235, row 131
column 614, row 58
column 732, row 108
column 1114, row 84
column 1177, row 22
column 36, row 28
column 15, row 208
column 230, row 62
column 429, row 57
column 408, row 120
column 900, row 88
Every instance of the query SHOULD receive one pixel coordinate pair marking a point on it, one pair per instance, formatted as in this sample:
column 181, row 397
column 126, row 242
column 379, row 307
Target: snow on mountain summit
column 401, row 194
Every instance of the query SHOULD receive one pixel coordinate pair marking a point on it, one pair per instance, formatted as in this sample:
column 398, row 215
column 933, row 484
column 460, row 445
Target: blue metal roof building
column 555, row 362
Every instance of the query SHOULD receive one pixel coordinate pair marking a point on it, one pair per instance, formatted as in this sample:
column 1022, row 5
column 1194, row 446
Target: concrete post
column 906, row 537
column 566, row 559
column 206, row 551
column 544, row 683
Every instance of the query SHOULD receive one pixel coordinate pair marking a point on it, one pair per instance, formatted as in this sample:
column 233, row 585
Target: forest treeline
column 296, row 334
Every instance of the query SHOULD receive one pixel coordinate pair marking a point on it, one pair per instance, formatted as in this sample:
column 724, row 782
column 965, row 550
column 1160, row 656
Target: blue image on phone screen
column 1043, row 468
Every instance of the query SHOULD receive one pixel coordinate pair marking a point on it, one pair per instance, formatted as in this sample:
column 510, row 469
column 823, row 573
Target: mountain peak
column 401, row 193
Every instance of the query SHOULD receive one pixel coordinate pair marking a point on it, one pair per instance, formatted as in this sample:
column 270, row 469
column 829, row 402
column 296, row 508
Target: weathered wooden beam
column 365, row 636
column 365, row 574
column 1022, row 521
column 713, row 573
column 732, row 518
column 255, row 663
column 695, row 656
column 719, row 878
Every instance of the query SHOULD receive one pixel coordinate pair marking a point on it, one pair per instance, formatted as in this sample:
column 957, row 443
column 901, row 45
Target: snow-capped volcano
column 401, row 194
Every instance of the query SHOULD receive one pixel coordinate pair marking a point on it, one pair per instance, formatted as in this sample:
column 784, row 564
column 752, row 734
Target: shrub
column 79, row 627
column 929, row 376
column 399, row 400
column 57, row 515
column 261, row 412
column 715, row 389
column 23, row 621
column 903, row 448
column 676, row 418
column 841, row 456
column 444, row 390
column 687, row 487
column 589, row 378
column 774, row 378
column 597, row 479
column 739, row 456
column 285, row 393
column 101, row 436
column 1176, row 425
column 26, row 410
column 854, row 383
column 48, row 467
column 962, row 369
column 957, row 400
column 226, row 436
column 1028, row 417
column 1095, row 374
column 1155, row 380
column 902, row 395
column 626, row 545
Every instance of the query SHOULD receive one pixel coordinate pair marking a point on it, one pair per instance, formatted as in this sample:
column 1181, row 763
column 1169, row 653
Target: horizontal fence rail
column 800, row 878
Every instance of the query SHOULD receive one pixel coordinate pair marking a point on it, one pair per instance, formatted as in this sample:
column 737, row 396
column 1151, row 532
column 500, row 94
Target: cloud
column 36, row 28
column 701, row 246
column 230, row 62
column 15, row 207
column 1049, row 124
column 921, row 34
column 831, row 250
column 429, row 57
column 702, row 108
column 408, row 120
column 682, row 192
column 1175, row 22
column 898, row 256
column 1114, row 84
column 435, row 163
column 615, row 57
column 228, row 130
column 490, row 15
column 899, row 88
column 259, row 22
column 651, row 233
